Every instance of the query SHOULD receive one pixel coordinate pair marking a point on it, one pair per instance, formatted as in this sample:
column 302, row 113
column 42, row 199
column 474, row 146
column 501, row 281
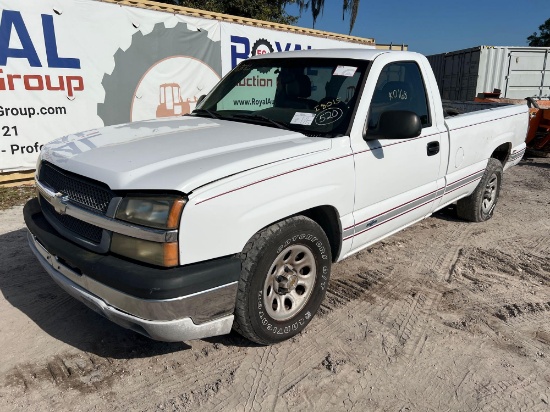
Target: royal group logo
column 241, row 48
column 14, row 31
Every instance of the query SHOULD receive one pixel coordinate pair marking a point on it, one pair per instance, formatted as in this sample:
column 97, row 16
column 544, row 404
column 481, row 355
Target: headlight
column 160, row 212
column 160, row 254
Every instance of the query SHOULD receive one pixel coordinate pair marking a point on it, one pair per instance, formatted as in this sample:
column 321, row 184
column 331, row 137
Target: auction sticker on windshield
column 303, row 118
column 347, row 71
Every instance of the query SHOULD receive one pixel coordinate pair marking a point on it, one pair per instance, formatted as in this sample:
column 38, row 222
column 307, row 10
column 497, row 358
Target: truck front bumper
column 196, row 301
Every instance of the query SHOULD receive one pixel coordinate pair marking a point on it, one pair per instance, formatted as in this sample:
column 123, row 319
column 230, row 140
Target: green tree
column 543, row 38
column 268, row 10
column 317, row 6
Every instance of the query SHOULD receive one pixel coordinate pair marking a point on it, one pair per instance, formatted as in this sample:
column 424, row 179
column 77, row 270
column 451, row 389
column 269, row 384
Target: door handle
column 432, row 148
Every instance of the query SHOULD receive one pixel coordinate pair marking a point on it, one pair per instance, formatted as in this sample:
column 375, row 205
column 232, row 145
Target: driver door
column 396, row 179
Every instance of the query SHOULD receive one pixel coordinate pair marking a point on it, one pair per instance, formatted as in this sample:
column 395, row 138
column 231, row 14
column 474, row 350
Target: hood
column 175, row 154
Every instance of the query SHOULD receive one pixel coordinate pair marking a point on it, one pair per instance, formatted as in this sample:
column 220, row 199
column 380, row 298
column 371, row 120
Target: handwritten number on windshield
column 328, row 116
column 328, row 104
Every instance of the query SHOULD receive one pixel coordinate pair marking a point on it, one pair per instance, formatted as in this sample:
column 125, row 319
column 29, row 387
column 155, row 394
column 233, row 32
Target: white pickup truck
column 231, row 217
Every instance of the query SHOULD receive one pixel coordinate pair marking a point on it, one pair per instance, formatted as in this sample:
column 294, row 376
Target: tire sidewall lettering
column 316, row 242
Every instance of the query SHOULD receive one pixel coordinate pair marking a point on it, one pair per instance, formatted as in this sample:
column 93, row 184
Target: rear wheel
column 479, row 206
column 285, row 272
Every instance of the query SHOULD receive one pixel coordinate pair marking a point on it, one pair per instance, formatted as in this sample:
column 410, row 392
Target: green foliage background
column 268, row 10
column 541, row 39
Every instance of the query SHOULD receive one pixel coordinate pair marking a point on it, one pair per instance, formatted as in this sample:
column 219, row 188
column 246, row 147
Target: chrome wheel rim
column 289, row 282
column 489, row 194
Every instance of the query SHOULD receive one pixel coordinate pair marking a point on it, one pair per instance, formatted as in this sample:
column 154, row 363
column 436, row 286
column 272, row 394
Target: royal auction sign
column 69, row 66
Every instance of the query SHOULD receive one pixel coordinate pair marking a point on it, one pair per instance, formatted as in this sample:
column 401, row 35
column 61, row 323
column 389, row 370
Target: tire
column 479, row 206
column 285, row 273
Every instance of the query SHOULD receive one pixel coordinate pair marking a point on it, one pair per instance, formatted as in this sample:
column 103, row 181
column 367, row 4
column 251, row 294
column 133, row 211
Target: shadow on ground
column 535, row 162
column 27, row 286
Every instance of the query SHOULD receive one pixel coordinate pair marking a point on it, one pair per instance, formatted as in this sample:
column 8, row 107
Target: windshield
column 313, row 96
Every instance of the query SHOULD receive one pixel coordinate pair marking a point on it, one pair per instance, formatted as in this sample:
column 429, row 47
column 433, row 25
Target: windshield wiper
column 212, row 114
column 260, row 117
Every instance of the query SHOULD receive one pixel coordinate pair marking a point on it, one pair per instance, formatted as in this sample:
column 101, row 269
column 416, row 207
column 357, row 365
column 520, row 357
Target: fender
column 499, row 140
column 221, row 218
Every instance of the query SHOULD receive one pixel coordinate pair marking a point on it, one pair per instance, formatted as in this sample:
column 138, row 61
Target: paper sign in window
column 347, row 71
column 303, row 118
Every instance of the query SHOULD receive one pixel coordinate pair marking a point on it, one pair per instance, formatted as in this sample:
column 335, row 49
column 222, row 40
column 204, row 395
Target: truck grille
column 81, row 191
column 78, row 227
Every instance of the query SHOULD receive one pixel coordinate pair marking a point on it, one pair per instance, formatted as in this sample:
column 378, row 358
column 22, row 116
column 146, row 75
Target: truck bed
column 453, row 108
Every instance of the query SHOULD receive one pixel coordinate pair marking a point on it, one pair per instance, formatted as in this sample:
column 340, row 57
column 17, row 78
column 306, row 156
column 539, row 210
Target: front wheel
column 479, row 206
column 285, row 273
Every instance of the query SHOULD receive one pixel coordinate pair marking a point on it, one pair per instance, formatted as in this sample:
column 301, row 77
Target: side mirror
column 201, row 98
column 396, row 124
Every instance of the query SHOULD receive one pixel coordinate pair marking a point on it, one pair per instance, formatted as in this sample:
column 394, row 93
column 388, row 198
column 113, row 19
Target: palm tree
column 317, row 6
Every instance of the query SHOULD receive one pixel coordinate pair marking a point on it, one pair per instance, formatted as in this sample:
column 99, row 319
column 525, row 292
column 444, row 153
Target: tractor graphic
column 171, row 103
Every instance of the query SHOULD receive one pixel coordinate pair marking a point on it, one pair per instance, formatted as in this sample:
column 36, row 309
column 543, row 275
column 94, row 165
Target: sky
column 436, row 26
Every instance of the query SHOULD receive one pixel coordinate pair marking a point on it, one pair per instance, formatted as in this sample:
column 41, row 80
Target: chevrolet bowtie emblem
column 59, row 202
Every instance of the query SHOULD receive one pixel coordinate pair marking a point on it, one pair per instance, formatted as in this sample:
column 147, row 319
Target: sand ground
column 444, row 316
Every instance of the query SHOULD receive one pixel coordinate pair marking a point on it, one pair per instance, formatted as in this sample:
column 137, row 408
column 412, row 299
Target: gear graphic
column 261, row 42
column 144, row 52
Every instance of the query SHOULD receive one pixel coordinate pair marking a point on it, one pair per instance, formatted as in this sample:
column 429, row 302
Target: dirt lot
column 446, row 315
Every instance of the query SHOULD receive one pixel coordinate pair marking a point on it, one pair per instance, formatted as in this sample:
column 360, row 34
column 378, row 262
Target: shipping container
column 518, row 72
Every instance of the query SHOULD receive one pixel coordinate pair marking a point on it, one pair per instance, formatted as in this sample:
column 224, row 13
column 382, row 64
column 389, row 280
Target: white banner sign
column 240, row 42
column 68, row 66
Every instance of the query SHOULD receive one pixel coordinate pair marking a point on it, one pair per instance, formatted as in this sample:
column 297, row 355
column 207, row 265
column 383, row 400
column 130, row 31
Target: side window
column 399, row 87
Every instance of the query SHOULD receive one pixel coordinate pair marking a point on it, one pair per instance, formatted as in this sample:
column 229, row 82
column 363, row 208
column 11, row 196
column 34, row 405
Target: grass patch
column 15, row 196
